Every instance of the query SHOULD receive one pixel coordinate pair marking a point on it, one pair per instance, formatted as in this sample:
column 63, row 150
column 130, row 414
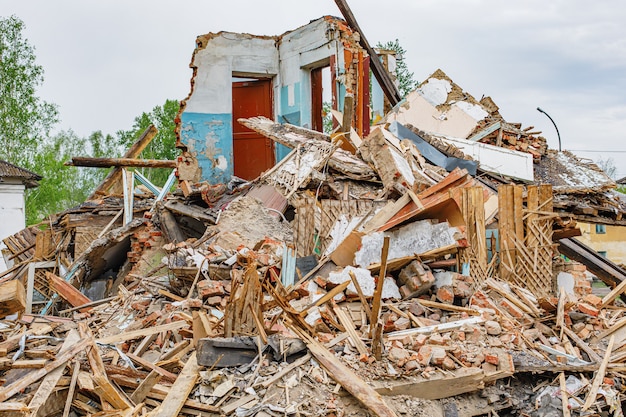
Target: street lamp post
column 557, row 129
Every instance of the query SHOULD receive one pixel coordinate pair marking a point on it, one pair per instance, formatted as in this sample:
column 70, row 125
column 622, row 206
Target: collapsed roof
column 405, row 267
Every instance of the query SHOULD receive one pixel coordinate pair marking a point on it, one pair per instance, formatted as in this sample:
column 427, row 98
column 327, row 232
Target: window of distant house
column 600, row 229
column 602, row 253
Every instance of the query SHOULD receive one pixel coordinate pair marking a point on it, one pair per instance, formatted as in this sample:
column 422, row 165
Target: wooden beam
column 376, row 325
column 176, row 398
column 599, row 377
column 145, row 387
column 8, row 391
column 70, row 394
column 615, row 292
column 114, row 179
column 78, row 161
column 51, row 380
column 12, row 298
column 152, row 367
column 122, row 337
column 67, row 291
column 384, row 79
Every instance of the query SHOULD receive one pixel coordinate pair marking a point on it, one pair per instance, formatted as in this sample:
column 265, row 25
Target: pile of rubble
column 350, row 279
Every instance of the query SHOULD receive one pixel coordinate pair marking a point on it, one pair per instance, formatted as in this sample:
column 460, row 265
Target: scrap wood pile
column 350, row 279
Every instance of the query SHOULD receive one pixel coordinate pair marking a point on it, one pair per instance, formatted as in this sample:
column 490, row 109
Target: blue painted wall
column 210, row 138
column 288, row 114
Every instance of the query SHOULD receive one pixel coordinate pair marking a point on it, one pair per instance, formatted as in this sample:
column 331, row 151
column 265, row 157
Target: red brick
column 151, row 319
column 214, row 301
column 445, row 295
column 424, row 355
column 209, row 288
column 436, row 339
column 448, row 364
column 592, row 299
column 420, row 340
column 511, row 308
column 588, row 309
column 492, row 358
column 438, row 355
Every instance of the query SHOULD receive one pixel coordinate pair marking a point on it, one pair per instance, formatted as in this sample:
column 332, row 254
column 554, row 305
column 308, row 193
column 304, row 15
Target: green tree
column 25, row 119
column 406, row 81
column 163, row 146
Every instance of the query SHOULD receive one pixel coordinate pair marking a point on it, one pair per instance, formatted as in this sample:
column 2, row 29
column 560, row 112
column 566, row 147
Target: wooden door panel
column 253, row 153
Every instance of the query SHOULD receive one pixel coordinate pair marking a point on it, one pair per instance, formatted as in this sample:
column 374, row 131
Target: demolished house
column 413, row 268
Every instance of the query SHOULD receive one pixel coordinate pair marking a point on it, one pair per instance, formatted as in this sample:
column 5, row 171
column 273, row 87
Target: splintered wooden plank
column 8, row 391
column 145, row 387
column 347, row 323
column 599, row 376
column 440, row 386
column 113, row 180
column 51, row 380
column 175, row 399
column 122, row 337
column 67, row 291
column 615, row 292
column 103, row 387
column 376, row 303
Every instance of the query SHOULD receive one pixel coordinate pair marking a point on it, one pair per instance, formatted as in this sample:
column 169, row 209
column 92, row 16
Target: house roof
column 29, row 178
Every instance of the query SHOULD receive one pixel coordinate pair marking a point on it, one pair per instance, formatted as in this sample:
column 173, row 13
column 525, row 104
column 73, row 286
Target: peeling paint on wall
column 208, row 137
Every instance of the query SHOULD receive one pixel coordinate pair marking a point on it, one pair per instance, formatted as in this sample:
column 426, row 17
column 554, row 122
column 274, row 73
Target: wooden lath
column 526, row 246
column 333, row 210
column 475, row 255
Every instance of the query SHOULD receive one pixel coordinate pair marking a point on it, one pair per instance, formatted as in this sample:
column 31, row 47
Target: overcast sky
column 106, row 62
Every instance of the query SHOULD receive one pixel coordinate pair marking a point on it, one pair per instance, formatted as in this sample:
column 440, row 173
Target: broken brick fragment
column 209, row 288
column 588, row 309
column 445, row 294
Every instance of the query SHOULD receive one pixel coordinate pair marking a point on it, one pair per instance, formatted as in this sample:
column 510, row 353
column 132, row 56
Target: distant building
column 607, row 240
column 13, row 183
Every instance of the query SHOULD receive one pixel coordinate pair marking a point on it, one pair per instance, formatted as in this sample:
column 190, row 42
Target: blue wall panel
column 210, row 138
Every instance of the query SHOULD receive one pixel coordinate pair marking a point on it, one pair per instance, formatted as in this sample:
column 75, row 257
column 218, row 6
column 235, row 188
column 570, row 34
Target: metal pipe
column 557, row 129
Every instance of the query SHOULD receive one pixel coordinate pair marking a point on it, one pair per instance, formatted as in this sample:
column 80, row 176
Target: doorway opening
column 252, row 153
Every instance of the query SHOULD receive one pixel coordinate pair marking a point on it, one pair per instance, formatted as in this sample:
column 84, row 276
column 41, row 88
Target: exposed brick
column 461, row 289
column 445, row 295
column 448, row 364
column 493, row 328
column 209, row 288
column 588, row 309
column 438, row 355
column 214, row 301
column 592, row 299
column 411, row 365
column 436, row 339
column 424, row 355
column 492, row 358
column 151, row 318
column 402, row 323
column 511, row 308
column 420, row 340
column 416, row 309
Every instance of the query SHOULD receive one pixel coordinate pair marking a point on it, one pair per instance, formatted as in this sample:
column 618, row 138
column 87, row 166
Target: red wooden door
column 252, row 153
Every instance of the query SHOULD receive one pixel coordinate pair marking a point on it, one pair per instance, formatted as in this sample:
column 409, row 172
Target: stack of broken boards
column 233, row 321
column 145, row 353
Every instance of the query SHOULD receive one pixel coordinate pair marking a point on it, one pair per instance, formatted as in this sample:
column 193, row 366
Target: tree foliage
column 406, row 80
column 25, row 119
column 163, row 146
